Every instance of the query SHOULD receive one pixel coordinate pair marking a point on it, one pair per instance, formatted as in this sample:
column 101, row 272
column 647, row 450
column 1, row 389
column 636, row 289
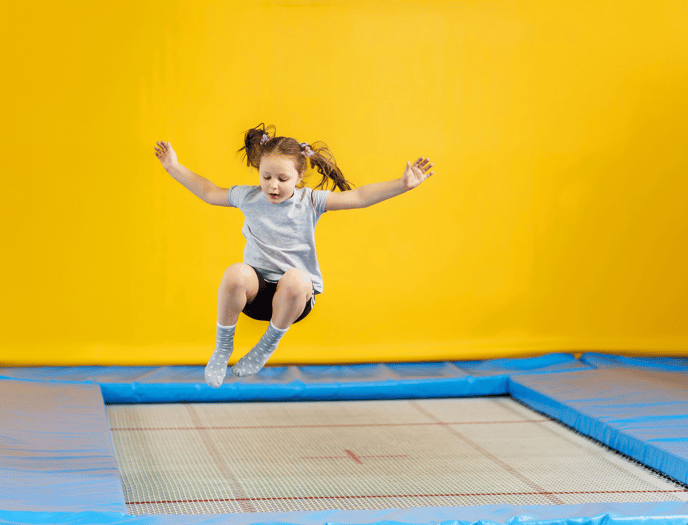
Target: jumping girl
column 280, row 275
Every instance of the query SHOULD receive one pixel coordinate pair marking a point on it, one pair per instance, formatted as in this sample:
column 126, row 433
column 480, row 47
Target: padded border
column 185, row 384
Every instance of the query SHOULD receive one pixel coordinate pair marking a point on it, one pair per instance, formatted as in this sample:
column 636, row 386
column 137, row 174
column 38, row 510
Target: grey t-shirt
column 280, row 236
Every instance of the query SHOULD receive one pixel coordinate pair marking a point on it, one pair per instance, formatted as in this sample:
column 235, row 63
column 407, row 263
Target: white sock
column 216, row 368
column 259, row 355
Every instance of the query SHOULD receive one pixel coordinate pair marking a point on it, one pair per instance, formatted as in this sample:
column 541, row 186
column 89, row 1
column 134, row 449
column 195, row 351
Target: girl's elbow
column 363, row 203
column 354, row 200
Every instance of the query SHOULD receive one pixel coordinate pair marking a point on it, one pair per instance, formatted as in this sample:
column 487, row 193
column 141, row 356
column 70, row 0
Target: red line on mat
column 353, row 456
column 491, row 456
column 378, row 496
column 243, row 500
column 434, row 423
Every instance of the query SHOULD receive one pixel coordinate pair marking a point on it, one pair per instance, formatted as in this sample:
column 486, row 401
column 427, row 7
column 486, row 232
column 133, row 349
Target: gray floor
column 268, row 457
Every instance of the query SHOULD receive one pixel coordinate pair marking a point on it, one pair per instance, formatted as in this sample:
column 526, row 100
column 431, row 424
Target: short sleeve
column 319, row 200
column 237, row 194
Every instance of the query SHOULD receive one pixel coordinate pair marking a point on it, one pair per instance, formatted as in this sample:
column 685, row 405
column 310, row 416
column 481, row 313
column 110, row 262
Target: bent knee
column 240, row 270
column 296, row 282
column 240, row 274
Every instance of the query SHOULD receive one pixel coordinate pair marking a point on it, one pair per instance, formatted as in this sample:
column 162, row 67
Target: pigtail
column 323, row 160
column 255, row 143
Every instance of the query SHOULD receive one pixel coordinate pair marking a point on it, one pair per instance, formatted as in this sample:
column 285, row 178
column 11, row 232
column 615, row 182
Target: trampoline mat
column 309, row 456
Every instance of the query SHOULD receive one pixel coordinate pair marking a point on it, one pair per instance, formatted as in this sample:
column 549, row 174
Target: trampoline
column 494, row 441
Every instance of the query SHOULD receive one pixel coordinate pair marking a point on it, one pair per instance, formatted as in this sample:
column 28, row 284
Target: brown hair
column 321, row 159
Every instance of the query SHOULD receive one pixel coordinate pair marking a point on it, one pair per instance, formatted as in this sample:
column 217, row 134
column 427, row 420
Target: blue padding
column 640, row 413
column 665, row 513
column 343, row 382
column 545, row 364
column 668, row 364
column 55, row 449
column 346, row 382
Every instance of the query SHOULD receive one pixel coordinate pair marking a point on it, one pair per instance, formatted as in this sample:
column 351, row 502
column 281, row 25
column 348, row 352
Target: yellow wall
column 556, row 221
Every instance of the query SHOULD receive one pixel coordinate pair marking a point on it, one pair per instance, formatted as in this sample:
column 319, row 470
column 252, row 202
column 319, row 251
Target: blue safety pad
column 544, row 364
column 56, row 453
column 668, row 364
column 179, row 384
column 639, row 412
column 665, row 513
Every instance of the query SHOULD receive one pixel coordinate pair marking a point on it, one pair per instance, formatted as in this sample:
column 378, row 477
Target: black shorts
column 260, row 308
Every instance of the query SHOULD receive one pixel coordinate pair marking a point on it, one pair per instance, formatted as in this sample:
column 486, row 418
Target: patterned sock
column 259, row 355
column 216, row 368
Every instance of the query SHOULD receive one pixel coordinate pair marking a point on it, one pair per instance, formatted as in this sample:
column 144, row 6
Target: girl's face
column 278, row 177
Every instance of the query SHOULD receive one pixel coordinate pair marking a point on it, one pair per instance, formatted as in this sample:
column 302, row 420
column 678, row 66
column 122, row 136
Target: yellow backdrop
column 556, row 220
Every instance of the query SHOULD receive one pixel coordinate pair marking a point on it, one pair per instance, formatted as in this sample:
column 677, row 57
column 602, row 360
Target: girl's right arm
column 202, row 188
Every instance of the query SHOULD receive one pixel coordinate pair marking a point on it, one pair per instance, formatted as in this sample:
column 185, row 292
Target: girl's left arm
column 371, row 194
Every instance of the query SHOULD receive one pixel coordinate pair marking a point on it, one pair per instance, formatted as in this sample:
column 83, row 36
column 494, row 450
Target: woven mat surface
column 274, row 457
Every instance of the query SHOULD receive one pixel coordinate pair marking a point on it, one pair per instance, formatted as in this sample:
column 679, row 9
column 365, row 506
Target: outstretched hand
column 417, row 172
column 165, row 154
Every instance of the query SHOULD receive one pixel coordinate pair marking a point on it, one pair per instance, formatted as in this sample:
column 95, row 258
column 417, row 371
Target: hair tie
column 307, row 150
column 264, row 139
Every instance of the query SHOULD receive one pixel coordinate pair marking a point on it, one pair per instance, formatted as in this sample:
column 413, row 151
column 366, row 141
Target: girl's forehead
column 274, row 163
